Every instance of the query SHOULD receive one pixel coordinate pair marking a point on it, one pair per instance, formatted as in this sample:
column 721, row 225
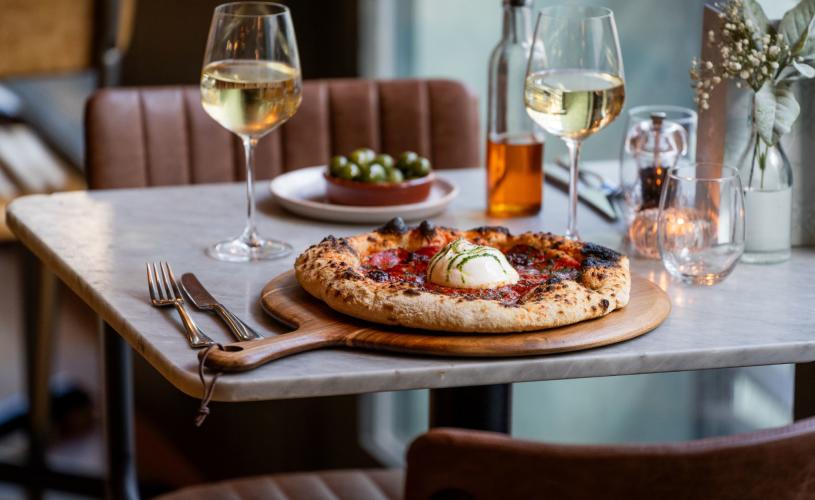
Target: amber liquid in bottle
column 514, row 142
column 514, row 176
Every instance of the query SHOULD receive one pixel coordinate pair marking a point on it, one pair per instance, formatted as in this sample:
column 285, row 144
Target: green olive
column 420, row 167
column 362, row 156
column 385, row 160
column 349, row 171
column 373, row 172
column 405, row 159
column 395, row 175
column 336, row 164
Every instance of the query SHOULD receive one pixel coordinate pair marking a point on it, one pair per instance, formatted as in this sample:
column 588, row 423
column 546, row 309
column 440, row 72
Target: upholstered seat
column 455, row 464
column 329, row 485
column 151, row 136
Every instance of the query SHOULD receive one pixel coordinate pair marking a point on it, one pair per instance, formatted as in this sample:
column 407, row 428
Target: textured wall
column 45, row 36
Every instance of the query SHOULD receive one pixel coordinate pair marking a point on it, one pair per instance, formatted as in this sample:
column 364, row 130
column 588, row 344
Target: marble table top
column 98, row 243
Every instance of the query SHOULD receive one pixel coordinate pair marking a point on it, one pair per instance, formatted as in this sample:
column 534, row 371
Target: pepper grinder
column 656, row 145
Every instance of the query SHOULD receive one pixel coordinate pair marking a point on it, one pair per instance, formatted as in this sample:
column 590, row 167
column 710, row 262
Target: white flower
column 735, row 66
column 709, row 65
column 738, row 85
column 774, row 64
column 745, row 75
column 773, row 50
column 716, row 80
column 705, row 105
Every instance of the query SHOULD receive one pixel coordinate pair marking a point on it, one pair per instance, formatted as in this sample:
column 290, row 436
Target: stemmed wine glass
column 574, row 80
column 251, row 84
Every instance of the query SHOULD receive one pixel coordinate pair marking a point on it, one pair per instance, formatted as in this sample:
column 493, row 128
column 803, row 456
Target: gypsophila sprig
column 757, row 55
column 748, row 56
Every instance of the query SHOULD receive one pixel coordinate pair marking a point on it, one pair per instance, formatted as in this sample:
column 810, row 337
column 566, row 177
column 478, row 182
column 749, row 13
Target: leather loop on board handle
column 242, row 356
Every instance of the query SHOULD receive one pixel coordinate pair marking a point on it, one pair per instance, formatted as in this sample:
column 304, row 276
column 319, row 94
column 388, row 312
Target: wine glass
column 700, row 230
column 574, row 80
column 251, row 84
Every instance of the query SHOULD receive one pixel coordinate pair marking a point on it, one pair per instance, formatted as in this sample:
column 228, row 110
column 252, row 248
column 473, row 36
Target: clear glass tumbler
column 700, row 230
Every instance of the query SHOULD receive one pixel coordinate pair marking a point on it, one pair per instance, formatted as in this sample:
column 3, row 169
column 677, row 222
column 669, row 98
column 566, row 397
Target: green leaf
column 753, row 12
column 774, row 111
column 805, row 70
column 797, row 27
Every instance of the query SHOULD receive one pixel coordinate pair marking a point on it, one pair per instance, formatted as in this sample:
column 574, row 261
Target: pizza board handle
column 242, row 356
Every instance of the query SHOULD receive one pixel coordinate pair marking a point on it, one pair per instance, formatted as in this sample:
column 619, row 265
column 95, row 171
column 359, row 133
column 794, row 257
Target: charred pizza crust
column 333, row 272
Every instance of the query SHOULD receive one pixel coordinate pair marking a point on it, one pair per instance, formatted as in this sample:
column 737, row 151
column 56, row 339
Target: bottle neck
column 517, row 24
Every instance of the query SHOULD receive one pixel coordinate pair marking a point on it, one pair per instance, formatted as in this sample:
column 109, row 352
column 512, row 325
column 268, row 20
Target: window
column 453, row 39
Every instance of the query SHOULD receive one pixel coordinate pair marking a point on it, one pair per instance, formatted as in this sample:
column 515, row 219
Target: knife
column 202, row 299
column 595, row 198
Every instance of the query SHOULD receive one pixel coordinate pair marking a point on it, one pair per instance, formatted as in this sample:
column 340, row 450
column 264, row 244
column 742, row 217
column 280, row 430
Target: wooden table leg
column 483, row 407
column 119, row 432
column 803, row 405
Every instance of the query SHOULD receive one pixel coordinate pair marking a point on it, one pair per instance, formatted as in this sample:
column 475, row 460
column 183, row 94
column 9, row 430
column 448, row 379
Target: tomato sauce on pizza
column 534, row 267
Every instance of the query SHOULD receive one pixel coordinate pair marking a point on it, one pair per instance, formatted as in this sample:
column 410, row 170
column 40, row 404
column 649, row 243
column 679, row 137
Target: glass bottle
column 514, row 142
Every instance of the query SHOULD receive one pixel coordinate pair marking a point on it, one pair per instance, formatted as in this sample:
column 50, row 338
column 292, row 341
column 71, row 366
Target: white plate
column 303, row 193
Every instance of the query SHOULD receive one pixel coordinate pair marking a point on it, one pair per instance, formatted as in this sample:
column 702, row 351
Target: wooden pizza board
column 316, row 326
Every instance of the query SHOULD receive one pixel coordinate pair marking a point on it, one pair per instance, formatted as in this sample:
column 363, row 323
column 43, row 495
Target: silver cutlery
column 202, row 299
column 596, row 199
column 594, row 180
column 164, row 292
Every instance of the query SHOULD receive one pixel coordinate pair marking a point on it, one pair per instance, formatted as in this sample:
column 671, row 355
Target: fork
column 164, row 292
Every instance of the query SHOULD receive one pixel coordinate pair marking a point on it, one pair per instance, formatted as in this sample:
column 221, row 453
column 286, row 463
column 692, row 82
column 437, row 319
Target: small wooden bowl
column 345, row 192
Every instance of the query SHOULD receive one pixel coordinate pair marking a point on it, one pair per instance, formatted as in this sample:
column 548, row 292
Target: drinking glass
column 250, row 84
column 574, row 80
column 700, row 230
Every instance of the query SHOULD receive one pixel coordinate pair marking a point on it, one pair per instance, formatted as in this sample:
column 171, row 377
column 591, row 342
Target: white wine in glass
column 573, row 103
column 574, row 81
column 250, row 97
column 250, row 85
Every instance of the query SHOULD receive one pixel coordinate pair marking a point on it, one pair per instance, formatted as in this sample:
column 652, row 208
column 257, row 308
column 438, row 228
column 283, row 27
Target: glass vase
column 766, row 175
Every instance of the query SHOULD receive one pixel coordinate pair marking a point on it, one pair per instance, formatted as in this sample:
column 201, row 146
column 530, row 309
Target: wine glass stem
column 250, row 235
column 574, row 157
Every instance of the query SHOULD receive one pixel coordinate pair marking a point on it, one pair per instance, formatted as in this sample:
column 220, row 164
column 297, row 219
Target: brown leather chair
column 160, row 136
column 454, row 464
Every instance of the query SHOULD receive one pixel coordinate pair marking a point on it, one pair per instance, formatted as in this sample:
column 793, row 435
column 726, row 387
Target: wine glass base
column 239, row 250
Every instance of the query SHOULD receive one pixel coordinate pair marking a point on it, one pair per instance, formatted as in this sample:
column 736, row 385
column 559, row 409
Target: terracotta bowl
column 345, row 192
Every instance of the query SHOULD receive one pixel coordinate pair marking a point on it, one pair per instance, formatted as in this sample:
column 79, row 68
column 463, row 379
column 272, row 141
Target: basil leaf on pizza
column 481, row 280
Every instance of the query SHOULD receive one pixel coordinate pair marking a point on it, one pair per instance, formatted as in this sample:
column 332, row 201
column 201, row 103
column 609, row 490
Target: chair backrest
column 153, row 136
column 54, row 36
column 446, row 464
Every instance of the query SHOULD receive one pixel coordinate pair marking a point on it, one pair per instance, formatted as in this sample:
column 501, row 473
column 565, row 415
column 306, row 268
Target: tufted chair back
column 153, row 136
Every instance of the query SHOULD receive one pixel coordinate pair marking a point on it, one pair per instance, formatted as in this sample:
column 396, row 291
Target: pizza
column 480, row 280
